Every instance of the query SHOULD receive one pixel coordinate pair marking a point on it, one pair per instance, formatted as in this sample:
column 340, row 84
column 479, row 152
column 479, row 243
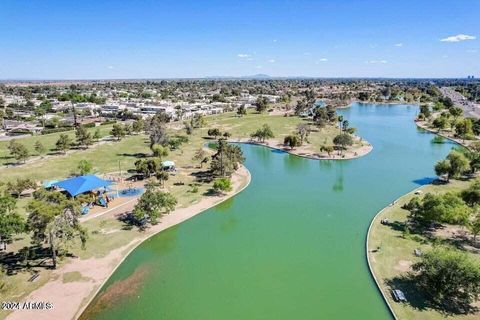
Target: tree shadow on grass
column 408, row 286
column 24, row 259
column 138, row 155
column 203, row 176
column 128, row 220
column 418, row 299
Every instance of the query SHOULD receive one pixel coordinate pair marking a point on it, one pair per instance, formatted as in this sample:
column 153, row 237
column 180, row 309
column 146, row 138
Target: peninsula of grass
column 391, row 253
column 114, row 156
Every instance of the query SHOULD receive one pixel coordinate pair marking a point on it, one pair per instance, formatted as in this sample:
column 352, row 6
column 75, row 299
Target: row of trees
column 84, row 139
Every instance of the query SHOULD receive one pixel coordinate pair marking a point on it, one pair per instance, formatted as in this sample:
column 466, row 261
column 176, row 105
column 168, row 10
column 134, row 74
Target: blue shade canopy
column 81, row 184
column 49, row 183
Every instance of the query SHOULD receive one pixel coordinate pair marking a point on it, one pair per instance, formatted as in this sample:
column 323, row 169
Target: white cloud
column 271, row 60
column 111, row 67
column 445, row 56
column 398, row 44
column 376, row 61
column 321, row 60
column 472, row 51
column 458, row 37
column 258, row 67
column 274, row 40
column 243, row 55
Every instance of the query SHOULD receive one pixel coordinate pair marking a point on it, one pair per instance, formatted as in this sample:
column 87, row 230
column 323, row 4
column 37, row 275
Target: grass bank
column 390, row 253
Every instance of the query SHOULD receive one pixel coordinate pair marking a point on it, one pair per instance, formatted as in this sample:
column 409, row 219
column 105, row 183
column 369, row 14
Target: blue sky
column 163, row 39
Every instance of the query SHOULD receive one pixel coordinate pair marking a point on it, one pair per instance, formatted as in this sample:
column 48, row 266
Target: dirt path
column 70, row 298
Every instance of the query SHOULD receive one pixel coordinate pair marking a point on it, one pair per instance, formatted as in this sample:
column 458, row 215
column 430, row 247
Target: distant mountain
column 259, row 76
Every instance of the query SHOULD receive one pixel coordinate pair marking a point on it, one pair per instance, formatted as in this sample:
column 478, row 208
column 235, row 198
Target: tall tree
column 241, row 111
column 227, row 159
column 18, row 150
column 54, row 219
column 138, row 126
column 84, row 137
column 162, row 176
column 63, row 143
column 292, row 141
column 157, row 129
column 201, row 156
column 39, row 147
column 261, row 105
column 151, row 205
column 303, row 131
column 10, row 221
column 118, row 131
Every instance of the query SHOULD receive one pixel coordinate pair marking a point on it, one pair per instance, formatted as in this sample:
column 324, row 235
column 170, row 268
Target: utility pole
column 120, row 169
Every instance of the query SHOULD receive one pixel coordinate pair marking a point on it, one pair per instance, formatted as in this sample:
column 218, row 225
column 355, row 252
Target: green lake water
column 291, row 245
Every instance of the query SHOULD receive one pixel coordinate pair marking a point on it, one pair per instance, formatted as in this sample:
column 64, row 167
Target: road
column 470, row 109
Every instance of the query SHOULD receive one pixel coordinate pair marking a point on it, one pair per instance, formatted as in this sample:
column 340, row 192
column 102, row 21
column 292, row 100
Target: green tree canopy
column 265, row 132
column 343, row 140
column 10, row 221
column 39, row 147
column 450, row 278
column 118, row 131
column 292, row 141
column 152, row 204
column 53, row 218
column 261, row 105
column 84, row 167
column 443, row 208
column 63, row 143
column 84, row 137
column 227, row 159
column 222, row 185
column 18, row 150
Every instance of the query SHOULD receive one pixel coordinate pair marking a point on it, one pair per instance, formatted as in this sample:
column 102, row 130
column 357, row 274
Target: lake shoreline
column 369, row 251
column 305, row 153
column 71, row 299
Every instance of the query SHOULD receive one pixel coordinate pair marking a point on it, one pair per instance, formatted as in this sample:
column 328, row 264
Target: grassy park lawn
column 396, row 255
column 242, row 127
column 48, row 140
column 121, row 155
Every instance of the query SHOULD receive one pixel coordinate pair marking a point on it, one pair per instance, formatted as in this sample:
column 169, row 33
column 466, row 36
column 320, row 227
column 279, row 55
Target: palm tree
column 340, row 120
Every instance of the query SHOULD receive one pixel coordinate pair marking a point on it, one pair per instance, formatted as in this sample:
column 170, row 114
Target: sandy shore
column 306, row 152
column 71, row 298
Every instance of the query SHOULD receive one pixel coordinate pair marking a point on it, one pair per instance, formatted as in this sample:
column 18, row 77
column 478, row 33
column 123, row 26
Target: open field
column 396, row 255
column 48, row 140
